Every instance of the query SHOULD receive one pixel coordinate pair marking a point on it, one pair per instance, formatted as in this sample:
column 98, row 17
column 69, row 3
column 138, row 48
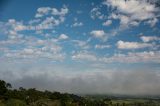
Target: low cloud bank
column 129, row 82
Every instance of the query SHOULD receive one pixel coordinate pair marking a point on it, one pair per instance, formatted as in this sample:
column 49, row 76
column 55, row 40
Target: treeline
column 33, row 97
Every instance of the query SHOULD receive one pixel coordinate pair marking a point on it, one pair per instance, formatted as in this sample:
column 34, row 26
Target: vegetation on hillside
column 33, row 97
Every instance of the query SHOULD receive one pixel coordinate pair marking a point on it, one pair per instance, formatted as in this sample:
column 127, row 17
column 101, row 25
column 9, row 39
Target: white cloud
column 81, row 44
column 132, row 45
column 33, row 47
column 12, row 27
column 15, row 25
column 28, row 51
column 83, row 56
column 95, row 13
column 49, row 22
column 134, row 57
column 76, row 24
column 34, row 21
column 42, row 11
column 51, row 17
column 107, row 23
column 134, row 23
column 149, row 38
column 99, row 34
column 62, row 12
column 36, row 53
column 130, row 57
column 63, row 37
column 102, row 46
column 152, row 22
column 129, row 11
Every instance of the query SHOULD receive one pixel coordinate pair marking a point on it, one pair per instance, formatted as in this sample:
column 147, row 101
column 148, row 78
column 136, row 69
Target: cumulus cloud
column 95, row 13
column 51, row 18
column 107, row 23
column 152, row 22
column 81, row 44
column 133, row 57
column 42, row 11
column 100, row 34
column 34, row 53
column 132, row 45
column 76, row 24
column 129, row 11
column 15, row 25
column 130, row 57
column 33, row 47
column 30, row 53
column 149, row 38
column 63, row 37
column 50, row 21
column 63, row 11
column 12, row 27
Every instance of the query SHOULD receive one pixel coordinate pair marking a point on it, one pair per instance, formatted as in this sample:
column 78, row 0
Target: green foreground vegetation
column 33, row 97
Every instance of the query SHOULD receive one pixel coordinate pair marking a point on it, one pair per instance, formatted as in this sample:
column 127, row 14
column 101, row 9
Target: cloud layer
column 65, row 79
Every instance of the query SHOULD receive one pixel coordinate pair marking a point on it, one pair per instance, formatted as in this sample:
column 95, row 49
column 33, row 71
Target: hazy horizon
column 81, row 47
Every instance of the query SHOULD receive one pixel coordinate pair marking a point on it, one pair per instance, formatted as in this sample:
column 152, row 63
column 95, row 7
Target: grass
column 12, row 102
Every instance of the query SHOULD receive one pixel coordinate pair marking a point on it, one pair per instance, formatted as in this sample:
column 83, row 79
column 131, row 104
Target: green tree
column 4, row 87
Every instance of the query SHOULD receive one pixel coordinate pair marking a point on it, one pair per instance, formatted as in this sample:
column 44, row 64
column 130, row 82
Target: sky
column 81, row 46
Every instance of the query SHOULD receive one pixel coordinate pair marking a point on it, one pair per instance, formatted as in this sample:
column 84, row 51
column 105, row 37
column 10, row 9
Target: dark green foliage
column 4, row 87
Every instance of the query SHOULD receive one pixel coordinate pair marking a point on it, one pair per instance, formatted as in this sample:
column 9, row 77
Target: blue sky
column 111, row 46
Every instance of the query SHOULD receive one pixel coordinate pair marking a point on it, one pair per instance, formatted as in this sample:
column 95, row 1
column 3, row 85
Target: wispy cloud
column 132, row 45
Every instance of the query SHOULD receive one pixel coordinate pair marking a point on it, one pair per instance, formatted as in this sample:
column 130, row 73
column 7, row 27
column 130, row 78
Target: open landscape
column 79, row 52
column 33, row 97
